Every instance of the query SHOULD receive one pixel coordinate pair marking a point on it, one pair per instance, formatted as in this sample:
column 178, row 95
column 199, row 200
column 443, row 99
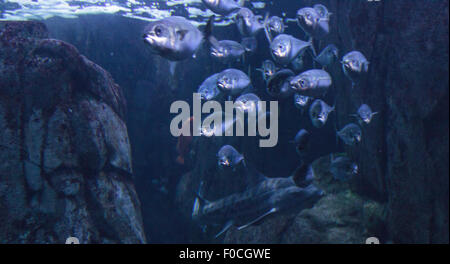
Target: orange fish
column 184, row 142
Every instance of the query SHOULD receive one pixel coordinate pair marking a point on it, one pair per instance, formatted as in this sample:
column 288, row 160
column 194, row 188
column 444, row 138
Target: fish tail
column 209, row 28
column 199, row 201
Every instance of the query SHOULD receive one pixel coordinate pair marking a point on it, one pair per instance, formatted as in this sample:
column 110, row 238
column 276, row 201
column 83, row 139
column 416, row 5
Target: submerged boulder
column 65, row 156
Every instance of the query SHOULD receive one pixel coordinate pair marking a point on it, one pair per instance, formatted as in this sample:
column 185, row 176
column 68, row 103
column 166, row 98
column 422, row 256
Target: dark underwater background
column 400, row 196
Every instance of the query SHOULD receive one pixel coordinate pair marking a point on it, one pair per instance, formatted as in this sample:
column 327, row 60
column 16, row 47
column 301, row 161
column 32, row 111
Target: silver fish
column 220, row 124
column 365, row 114
column 224, row 7
column 285, row 48
column 229, row 157
column 268, row 69
column 208, row 89
column 312, row 22
column 267, row 197
column 328, row 56
column 175, row 38
column 311, row 83
column 248, row 23
column 233, row 82
column 227, row 51
column 301, row 141
column 351, row 134
column 343, row 168
column 302, row 101
column 354, row 64
column 248, row 103
column 318, row 113
column 278, row 84
column 276, row 25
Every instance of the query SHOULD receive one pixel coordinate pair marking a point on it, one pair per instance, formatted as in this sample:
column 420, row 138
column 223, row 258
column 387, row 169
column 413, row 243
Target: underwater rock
column 66, row 159
column 402, row 157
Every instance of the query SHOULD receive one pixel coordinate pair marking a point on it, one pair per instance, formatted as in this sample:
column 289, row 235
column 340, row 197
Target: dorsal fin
column 254, row 176
column 207, row 32
column 303, row 175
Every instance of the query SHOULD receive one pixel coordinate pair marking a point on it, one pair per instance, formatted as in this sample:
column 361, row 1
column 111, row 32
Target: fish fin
column 196, row 208
column 200, row 194
column 244, row 59
column 304, row 175
column 310, row 175
column 241, row 2
column 182, row 33
column 209, row 28
column 311, row 44
column 366, row 66
column 198, row 204
column 271, row 211
column 172, row 67
column 299, row 175
column 180, row 160
column 225, row 228
column 253, row 176
column 213, row 42
column 266, row 28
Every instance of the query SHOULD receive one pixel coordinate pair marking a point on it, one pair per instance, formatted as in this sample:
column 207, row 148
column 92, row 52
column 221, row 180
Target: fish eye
column 158, row 31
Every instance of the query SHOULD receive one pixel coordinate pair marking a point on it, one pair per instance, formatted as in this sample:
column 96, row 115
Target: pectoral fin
column 181, row 34
column 225, row 228
column 172, row 67
column 271, row 211
column 266, row 29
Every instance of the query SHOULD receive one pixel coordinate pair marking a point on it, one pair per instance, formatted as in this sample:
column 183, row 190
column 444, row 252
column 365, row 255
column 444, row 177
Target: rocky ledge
column 65, row 156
